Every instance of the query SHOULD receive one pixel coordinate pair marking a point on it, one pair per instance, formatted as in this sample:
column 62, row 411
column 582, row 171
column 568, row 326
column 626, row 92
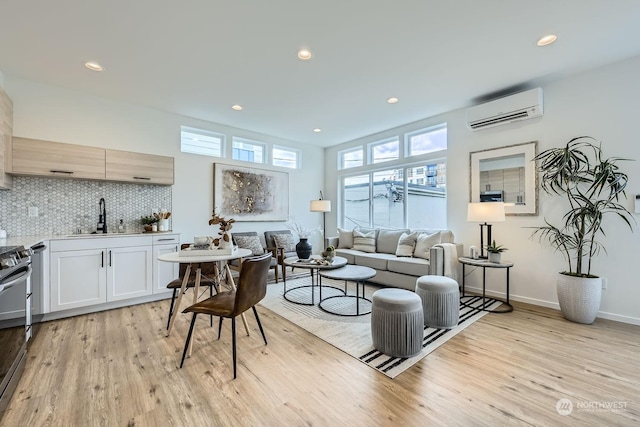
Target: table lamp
column 485, row 212
column 323, row 206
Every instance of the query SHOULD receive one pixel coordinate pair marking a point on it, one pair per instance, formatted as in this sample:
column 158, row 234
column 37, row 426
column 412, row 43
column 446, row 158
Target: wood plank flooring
column 118, row 368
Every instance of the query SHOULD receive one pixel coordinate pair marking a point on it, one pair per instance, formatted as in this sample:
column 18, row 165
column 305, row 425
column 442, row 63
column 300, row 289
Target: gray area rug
column 353, row 334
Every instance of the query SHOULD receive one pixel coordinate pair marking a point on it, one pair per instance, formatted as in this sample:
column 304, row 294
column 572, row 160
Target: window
column 199, row 141
column 285, row 157
column 427, row 140
column 248, row 151
column 384, row 151
column 356, row 201
column 350, row 158
column 388, row 199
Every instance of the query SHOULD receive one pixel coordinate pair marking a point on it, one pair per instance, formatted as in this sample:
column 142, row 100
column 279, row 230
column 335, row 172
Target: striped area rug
column 353, row 334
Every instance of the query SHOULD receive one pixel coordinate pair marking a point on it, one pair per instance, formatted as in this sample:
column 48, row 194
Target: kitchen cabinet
column 137, row 167
column 88, row 271
column 55, row 159
column 164, row 272
column 6, row 131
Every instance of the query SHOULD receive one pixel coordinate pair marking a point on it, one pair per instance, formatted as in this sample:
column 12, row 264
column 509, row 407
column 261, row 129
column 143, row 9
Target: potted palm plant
column 592, row 187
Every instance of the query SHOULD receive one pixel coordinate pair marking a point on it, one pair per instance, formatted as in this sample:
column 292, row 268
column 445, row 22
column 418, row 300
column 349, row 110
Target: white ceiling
column 199, row 57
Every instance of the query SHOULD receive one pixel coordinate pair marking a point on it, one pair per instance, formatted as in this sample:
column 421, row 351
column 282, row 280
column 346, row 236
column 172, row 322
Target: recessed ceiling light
column 93, row 66
column 547, row 40
column 304, row 54
column 236, row 107
column 317, row 130
column 392, row 100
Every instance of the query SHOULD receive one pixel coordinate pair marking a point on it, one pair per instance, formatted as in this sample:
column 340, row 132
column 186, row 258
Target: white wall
column 56, row 114
column 602, row 103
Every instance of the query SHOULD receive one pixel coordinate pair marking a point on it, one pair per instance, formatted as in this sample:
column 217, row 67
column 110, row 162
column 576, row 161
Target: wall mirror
column 506, row 174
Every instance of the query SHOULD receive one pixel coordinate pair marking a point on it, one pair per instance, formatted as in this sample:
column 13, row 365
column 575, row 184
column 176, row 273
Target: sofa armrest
column 436, row 259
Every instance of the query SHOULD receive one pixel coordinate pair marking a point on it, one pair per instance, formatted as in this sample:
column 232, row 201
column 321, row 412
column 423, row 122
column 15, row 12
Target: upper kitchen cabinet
column 139, row 168
column 6, row 131
column 55, row 159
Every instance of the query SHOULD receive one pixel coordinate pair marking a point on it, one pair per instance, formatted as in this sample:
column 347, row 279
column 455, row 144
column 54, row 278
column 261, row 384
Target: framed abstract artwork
column 506, row 174
column 250, row 194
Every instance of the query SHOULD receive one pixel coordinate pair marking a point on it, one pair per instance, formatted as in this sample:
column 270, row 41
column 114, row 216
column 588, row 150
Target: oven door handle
column 17, row 278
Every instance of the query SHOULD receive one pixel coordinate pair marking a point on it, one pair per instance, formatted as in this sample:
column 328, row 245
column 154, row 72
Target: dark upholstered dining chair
column 208, row 279
column 251, row 289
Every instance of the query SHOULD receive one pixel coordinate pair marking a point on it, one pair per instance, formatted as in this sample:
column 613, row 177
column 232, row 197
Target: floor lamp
column 323, row 206
column 485, row 212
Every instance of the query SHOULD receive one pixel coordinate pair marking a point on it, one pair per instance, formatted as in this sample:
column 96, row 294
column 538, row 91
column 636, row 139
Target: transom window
column 427, row 140
column 248, row 151
column 350, row 158
column 200, row 141
column 285, row 157
column 384, row 151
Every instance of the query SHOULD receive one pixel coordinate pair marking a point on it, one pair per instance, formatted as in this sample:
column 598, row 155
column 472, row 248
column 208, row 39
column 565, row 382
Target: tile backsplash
column 66, row 205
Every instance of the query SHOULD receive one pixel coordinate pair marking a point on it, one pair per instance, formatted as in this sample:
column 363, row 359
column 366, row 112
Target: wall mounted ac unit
column 520, row 106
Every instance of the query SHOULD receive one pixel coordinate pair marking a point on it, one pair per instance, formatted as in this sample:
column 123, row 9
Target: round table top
column 350, row 272
column 482, row 262
column 337, row 262
column 175, row 257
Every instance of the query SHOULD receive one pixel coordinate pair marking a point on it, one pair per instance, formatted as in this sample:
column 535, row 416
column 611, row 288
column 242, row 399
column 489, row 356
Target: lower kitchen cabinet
column 89, row 271
column 164, row 272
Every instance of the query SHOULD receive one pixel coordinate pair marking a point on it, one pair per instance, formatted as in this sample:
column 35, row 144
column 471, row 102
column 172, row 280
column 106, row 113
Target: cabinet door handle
column 102, row 259
column 164, row 240
column 61, row 171
column 146, row 178
column 109, row 258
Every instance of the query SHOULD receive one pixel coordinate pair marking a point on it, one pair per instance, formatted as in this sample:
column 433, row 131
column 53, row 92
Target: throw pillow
column 250, row 242
column 424, row 243
column 387, row 241
column 285, row 241
column 406, row 244
column 345, row 239
column 364, row 242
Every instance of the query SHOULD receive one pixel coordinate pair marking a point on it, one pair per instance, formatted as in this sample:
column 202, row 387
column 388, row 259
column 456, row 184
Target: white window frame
column 341, row 155
column 205, row 148
column 430, row 129
column 372, row 145
column 240, row 140
column 296, row 152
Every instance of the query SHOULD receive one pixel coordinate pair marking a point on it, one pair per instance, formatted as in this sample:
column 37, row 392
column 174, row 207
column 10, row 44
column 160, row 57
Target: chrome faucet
column 102, row 218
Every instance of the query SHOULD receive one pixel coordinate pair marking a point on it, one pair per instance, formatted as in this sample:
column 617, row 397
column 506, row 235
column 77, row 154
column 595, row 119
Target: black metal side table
column 484, row 264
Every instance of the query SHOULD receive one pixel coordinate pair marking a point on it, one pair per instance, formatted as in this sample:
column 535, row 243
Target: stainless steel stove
column 15, row 317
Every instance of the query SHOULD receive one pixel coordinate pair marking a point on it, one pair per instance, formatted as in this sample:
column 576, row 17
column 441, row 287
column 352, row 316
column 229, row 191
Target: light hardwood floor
column 117, row 368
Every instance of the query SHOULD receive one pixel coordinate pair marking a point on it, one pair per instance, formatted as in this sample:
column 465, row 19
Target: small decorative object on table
column 303, row 248
column 224, row 241
column 495, row 252
column 329, row 253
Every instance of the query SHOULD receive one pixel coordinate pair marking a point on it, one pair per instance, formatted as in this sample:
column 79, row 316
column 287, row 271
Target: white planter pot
column 495, row 256
column 579, row 297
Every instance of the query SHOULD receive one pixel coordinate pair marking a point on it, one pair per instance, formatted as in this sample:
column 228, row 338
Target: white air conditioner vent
column 520, row 106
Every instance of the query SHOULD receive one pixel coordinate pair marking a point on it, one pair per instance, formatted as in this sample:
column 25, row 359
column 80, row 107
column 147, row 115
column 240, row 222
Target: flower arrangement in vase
column 224, row 241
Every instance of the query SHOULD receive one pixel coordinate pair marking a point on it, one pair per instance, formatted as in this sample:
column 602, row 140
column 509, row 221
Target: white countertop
column 29, row 241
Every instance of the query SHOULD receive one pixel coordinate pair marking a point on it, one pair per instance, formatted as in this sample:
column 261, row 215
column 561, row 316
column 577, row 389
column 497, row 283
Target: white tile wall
column 65, row 205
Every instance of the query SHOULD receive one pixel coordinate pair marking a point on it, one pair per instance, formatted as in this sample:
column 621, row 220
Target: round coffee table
column 315, row 268
column 349, row 273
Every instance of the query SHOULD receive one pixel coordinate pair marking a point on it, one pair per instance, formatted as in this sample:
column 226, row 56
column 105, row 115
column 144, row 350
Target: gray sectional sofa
column 400, row 271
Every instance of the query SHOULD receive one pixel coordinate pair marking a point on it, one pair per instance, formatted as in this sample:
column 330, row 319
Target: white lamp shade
column 320, row 206
column 485, row 212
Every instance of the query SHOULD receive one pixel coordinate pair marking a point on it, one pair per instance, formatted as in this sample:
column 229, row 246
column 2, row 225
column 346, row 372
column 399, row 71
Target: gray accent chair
column 280, row 253
column 235, row 263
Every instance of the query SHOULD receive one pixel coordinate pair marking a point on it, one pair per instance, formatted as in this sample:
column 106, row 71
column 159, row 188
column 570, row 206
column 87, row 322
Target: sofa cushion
column 249, row 242
column 446, row 236
column 387, row 241
column 285, row 241
column 424, row 243
column 406, row 244
column 364, row 242
column 376, row 261
column 345, row 239
column 349, row 254
column 410, row 266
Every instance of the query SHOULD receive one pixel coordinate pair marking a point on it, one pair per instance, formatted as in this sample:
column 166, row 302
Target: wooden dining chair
column 250, row 290
column 208, row 273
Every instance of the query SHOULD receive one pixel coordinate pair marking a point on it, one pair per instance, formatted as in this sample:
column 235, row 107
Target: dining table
column 194, row 263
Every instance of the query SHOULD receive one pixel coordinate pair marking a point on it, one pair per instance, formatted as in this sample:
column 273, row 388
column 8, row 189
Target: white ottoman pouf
column 440, row 297
column 397, row 322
